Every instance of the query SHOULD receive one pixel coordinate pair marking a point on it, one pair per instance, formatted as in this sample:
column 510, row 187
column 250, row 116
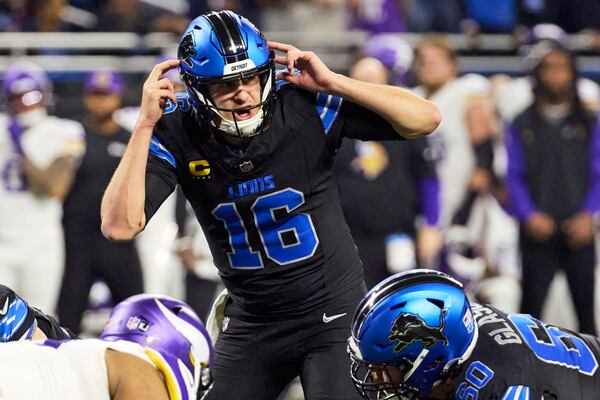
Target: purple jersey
column 378, row 16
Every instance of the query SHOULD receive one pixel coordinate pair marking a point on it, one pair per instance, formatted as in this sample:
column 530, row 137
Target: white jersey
column 21, row 211
column 127, row 117
column 514, row 96
column 450, row 144
column 58, row 370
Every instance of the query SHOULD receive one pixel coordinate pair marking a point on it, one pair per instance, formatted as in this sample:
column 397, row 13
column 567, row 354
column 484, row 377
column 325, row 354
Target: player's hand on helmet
column 156, row 92
column 313, row 74
column 540, row 226
column 579, row 229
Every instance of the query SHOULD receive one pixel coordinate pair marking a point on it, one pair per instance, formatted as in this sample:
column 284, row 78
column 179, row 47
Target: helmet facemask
column 410, row 333
column 380, row 381
column 210, row 114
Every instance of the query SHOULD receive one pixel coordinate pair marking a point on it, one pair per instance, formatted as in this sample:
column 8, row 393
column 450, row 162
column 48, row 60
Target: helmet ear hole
column 176, row 310
column 439, row 303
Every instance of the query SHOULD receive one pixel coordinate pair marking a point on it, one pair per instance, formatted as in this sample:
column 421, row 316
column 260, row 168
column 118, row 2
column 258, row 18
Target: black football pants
column 89, row 257
column 540, row 262
column 257, row 360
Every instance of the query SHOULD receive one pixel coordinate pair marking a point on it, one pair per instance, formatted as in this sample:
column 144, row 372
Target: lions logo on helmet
column 186, row 50
column 220, row 47
column 409, row 332
column 409, row 327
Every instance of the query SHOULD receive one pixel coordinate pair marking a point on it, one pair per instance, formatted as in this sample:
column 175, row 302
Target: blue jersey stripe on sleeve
column 161, row 151
column 15, row 316
column 332, row 114
column 517, row 393
column 328, row 107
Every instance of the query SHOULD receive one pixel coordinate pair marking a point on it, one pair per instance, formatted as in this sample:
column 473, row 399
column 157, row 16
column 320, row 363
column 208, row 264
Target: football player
column 416, row 336
column 153, row 347
column 462, row 142
column 39, row 154
column 254, row 159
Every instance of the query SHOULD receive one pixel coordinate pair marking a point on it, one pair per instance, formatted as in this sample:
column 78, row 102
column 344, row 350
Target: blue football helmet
column 219, row 47
column 410, row 331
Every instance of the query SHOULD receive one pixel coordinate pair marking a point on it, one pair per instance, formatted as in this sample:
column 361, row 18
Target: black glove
column 50, row 326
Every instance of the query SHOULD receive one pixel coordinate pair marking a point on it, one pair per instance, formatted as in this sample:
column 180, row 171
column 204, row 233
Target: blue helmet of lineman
column 220, row 47
column 409, row 332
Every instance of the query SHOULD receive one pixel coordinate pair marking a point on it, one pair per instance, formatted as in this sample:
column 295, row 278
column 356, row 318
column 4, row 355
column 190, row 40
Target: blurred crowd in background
column 376, row 16
column 503, row 195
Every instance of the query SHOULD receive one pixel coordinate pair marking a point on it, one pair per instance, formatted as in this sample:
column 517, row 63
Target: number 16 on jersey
column 299, row 227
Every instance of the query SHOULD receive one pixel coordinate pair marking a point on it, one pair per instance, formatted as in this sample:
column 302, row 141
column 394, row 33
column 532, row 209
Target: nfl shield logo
column 132, row 323
column 246, row 166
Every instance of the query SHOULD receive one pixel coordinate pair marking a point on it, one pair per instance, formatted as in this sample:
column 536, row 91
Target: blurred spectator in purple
column 393, row 52
column 433, row 15
column 553, row 183
column 39, row 154
column 376, row 16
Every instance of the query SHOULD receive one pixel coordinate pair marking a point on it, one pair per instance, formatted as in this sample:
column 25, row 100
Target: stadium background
column 72, row 38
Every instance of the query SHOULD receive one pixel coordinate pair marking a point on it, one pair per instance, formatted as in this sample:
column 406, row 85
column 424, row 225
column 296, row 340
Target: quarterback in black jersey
column 416, row 336
column 254, row 157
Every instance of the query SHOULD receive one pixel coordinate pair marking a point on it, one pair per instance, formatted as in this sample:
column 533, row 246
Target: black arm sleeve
column 357, row 122
column 361, row 123
column 161, row 181
column 181, row 212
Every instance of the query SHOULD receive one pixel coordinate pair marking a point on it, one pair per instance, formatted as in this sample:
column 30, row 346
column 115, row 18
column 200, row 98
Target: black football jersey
column 518, row 357
column 270, row 212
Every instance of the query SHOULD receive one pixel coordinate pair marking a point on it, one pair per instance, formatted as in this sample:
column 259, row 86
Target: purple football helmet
column 172, row 336
column 393, row 52
column 29, row 80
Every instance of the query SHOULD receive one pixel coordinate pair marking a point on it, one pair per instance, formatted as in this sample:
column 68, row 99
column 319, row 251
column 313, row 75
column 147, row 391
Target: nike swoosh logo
column 327, row 319
column 5, row 308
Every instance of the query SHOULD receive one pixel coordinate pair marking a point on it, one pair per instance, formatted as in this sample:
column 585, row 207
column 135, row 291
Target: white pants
column 32, row 266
